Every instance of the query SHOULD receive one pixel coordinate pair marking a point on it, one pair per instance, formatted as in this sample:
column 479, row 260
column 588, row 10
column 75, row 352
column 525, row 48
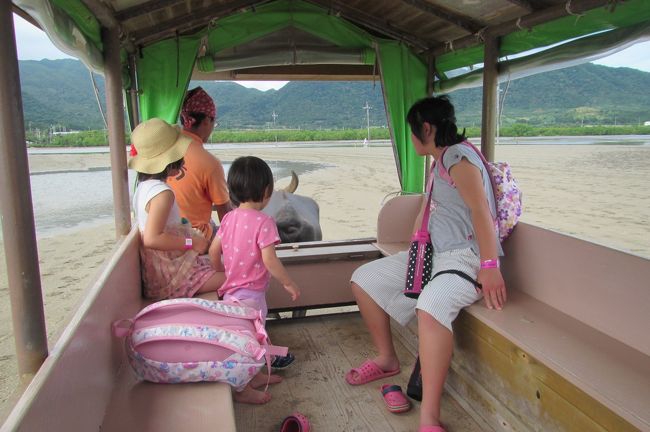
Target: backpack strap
column 218, row 307
column 122, row 328
column 240, row 343
column 444, row 173
column 486, row 164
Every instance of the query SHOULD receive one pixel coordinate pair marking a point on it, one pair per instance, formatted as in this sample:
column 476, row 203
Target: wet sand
column 596, row 192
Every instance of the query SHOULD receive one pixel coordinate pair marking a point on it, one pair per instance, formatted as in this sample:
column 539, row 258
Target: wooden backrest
column 73, row 387
column 398, row 218
column 604, row 288
column 322, row 271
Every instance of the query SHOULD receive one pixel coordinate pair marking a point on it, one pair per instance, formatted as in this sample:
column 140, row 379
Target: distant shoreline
column 632, row 139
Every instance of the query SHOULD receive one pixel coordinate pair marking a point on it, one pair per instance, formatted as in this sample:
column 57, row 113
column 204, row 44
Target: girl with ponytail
column 464, row 239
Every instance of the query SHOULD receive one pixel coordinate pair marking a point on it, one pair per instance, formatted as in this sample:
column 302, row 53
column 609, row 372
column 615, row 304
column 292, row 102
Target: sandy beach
column 596, row 192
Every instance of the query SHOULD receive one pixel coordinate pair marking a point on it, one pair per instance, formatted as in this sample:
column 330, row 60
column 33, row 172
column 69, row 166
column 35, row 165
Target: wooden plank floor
column 326, row 347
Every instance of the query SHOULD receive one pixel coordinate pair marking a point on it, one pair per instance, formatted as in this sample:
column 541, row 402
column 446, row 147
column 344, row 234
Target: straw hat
column 157, row 144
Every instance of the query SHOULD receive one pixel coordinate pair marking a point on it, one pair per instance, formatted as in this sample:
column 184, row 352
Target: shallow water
column 68, row 200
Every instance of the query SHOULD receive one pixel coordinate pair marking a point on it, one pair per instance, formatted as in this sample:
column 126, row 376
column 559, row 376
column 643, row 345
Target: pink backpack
column 192, row 339
column 507, row 195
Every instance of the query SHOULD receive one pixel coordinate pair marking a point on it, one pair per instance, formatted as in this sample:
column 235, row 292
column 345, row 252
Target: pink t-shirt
column 244, row 233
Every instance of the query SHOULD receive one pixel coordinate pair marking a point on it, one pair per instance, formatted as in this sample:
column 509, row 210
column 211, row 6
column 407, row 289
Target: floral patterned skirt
column 173, row 274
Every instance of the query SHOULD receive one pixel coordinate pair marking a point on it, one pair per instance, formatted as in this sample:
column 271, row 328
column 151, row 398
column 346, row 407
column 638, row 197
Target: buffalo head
column 296, row 216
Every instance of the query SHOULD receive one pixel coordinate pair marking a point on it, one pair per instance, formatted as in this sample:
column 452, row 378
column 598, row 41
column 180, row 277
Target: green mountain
column 60, row 92
column 585, row 94
column 299, row 104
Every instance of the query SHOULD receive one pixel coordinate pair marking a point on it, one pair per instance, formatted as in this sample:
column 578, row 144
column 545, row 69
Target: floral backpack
column 507, row 195
column 193, row 339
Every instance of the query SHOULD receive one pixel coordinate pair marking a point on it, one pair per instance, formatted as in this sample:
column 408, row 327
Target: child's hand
column 494, row 289
column 293, row 290
column 199, row 244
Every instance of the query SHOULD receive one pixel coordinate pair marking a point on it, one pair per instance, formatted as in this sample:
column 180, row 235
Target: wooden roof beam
column 462, row 21
column 104, row 14
column 183, row 23
column 145, row 8
column 372, row 22
column 294, row 73
column 526, row 21
column 24, row 15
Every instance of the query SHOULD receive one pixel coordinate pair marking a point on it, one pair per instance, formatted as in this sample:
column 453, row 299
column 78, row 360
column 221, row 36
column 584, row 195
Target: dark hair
column 250, row 179
column 439, row 112
column 164, row 173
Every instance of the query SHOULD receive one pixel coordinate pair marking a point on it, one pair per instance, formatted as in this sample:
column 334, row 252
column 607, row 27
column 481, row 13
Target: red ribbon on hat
column 133, row 151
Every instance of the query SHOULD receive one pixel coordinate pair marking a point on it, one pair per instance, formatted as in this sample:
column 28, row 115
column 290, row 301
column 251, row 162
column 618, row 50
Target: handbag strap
column 427, row 208
column 465, row 276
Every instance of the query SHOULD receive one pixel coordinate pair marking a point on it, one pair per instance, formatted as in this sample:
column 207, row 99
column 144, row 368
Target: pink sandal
column 394, row 398
column 296, row 422
column 367, row 372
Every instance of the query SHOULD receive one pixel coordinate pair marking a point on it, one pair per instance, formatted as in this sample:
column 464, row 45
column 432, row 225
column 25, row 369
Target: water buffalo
column 297, row 216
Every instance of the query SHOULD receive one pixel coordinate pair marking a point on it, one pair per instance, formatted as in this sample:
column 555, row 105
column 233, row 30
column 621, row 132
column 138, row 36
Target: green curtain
column 250, row 25
column 165, row 68
column 164, row 72
column 404, row 78
column 83, row 18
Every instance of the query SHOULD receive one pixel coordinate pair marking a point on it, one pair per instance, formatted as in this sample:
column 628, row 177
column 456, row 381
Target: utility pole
column 274, row 115
column 367, row 108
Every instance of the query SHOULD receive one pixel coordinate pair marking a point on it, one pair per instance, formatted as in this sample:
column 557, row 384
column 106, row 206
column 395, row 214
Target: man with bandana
column 201, row 185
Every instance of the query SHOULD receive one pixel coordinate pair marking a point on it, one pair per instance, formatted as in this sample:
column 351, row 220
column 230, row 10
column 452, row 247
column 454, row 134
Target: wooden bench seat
column 142, row 406
column 571, row 349
column 86, row 383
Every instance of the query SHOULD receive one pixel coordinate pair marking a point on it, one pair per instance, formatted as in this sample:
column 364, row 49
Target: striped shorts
column 442, row 298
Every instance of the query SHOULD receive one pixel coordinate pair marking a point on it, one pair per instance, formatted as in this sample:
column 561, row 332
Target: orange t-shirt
column 201, row 184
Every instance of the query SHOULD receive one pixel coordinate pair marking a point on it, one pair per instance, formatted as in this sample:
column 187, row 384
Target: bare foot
column 251, row 396
column 260, row 380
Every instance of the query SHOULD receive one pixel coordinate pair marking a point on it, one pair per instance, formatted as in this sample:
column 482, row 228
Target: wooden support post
column 116, row 142
column 490, row 102
column 18, row 230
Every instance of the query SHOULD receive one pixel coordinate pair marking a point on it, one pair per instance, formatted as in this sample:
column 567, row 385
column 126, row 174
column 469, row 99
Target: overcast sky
column 33, row 44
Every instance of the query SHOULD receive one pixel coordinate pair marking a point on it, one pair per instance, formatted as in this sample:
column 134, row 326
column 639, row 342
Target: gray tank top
column 450, row 223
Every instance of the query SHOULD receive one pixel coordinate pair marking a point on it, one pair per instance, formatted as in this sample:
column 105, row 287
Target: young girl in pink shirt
column 245, row 246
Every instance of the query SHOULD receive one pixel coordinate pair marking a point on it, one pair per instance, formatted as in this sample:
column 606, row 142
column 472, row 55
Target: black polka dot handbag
column 420, row 259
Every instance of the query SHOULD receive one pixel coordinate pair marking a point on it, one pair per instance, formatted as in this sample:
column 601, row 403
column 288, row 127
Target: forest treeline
column 99, row 138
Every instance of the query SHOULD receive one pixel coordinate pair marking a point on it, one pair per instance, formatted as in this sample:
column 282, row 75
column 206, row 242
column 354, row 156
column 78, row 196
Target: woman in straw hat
column 170, row 248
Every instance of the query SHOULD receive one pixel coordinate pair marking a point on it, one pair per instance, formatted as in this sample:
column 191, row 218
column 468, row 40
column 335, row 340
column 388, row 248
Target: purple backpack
column 507, row 195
